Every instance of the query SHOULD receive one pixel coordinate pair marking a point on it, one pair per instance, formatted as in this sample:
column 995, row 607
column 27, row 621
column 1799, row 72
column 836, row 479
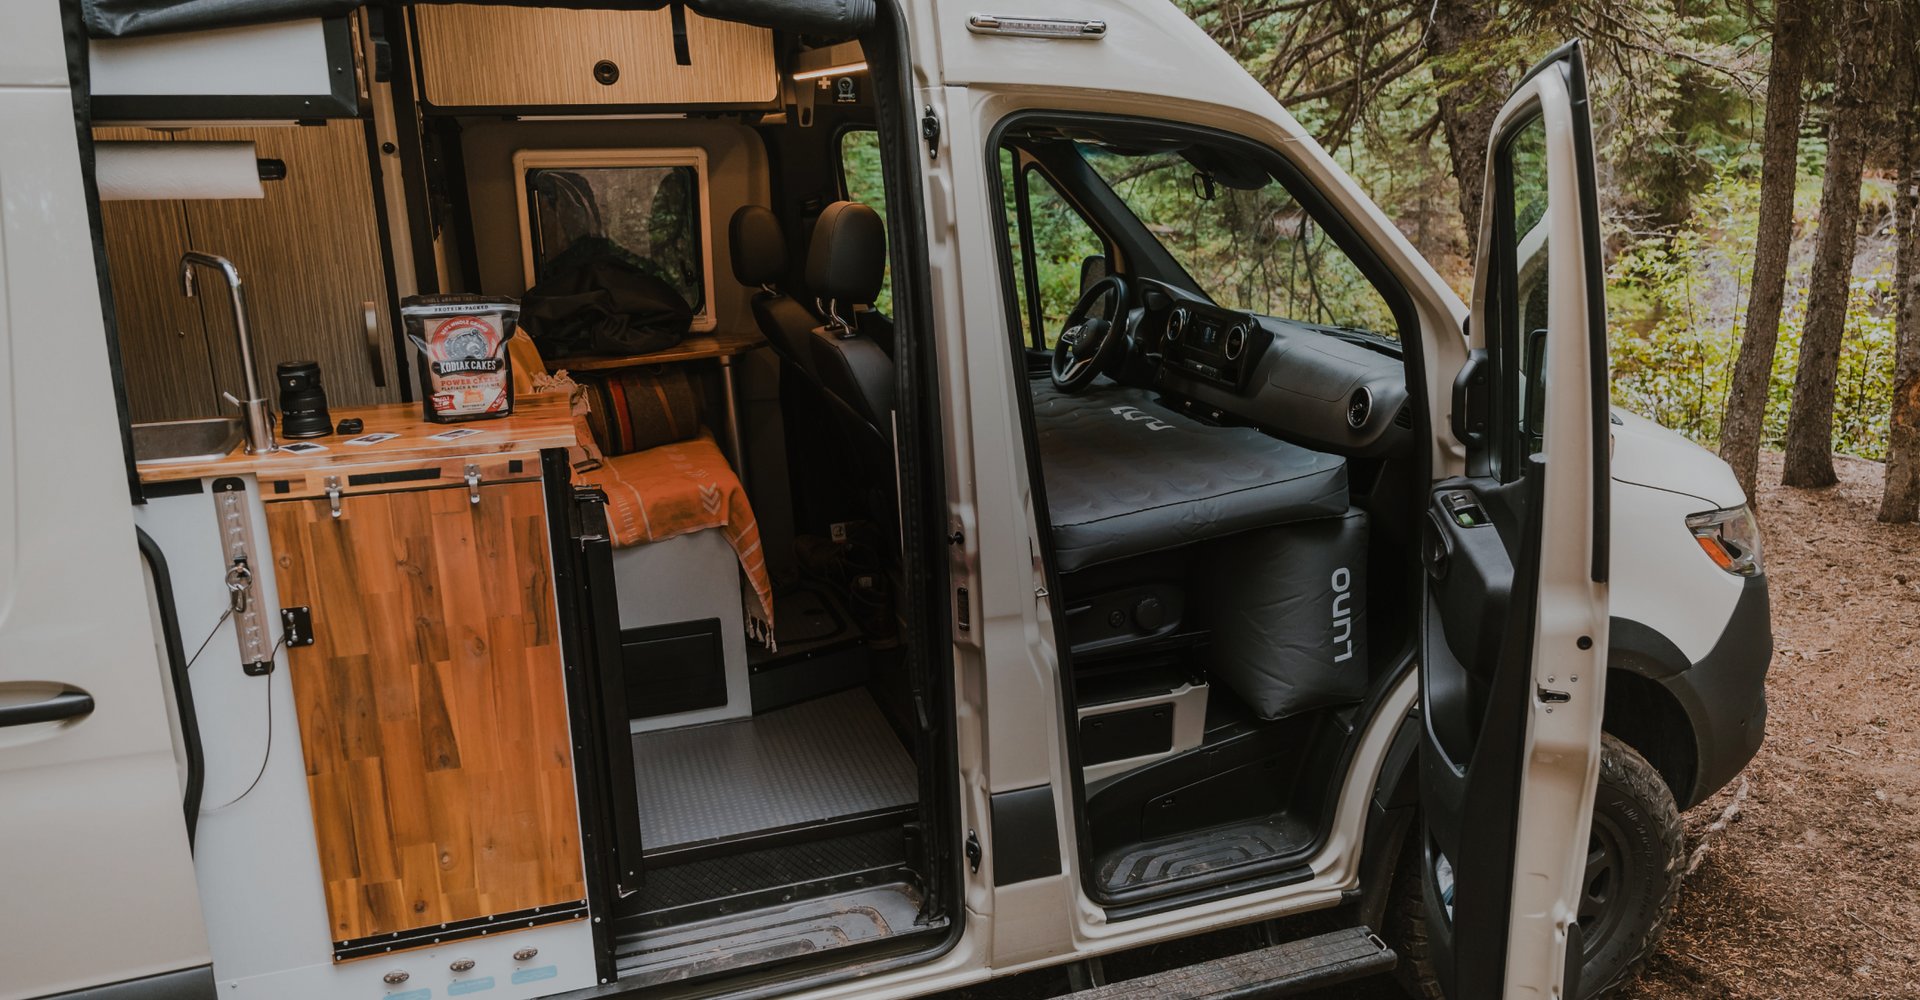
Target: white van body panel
column 1661, row 578
column 1647, row 454
column 92, row 835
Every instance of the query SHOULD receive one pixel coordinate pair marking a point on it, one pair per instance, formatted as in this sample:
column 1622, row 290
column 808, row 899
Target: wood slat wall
column 163, row 339
column 309, row 257
column 432, row 705
column 485, row 56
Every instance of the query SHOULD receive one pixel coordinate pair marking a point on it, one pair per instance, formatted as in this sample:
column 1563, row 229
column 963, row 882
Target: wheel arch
column 1642, row 713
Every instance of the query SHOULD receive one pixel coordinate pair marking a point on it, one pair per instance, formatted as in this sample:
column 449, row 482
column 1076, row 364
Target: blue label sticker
column 458, row 987
column 535, row 975
column 411, row 995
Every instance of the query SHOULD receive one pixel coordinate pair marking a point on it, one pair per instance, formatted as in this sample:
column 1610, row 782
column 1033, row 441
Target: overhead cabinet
column 486, row 56
column 285, row 70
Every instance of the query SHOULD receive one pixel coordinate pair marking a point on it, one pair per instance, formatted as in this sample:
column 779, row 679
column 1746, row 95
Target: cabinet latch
column 333, row 493
column 473, row 482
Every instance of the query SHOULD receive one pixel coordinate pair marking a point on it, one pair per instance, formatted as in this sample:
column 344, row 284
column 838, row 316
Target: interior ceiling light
column 815, row 74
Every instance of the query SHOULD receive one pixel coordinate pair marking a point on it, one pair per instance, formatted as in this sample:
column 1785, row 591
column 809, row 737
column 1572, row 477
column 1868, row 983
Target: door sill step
column 773, row 934
column 1279, row 971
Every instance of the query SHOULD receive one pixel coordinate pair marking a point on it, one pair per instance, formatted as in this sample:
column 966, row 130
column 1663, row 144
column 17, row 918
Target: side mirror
column 1093, row 269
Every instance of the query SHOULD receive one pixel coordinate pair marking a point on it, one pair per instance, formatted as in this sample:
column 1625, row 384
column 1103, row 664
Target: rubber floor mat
column 774, row 934
column 827, row 759
column 1202, row 851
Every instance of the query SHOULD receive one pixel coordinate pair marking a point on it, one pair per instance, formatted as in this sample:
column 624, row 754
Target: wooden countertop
column 719, row 344
column 540, row 420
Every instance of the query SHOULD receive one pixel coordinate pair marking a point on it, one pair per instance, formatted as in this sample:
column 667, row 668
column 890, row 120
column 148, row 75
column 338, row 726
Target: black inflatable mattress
column 1126, row 476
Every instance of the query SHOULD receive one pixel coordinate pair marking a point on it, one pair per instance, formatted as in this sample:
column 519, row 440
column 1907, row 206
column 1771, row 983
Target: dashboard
column 1328, row 388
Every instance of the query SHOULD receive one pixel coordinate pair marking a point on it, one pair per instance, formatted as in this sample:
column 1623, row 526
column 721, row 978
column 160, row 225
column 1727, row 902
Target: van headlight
column 1730, row 537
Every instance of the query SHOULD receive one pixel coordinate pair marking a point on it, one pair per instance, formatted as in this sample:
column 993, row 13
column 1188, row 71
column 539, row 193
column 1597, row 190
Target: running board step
column 1280, row 971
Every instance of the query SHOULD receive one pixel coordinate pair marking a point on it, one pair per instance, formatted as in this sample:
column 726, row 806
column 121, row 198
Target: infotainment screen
column 1211, row 344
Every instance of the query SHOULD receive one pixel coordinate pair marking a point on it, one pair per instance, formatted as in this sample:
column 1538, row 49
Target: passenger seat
column 846, row 263
column 759, row 252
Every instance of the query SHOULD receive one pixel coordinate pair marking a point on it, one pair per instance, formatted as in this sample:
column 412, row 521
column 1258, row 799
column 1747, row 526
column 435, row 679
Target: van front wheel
column 1635, row 857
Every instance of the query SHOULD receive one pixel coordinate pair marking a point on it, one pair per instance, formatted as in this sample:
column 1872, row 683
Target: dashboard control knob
column 1149, row 614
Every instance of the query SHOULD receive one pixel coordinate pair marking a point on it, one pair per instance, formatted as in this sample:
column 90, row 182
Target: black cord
column 269, row 754
column 203, row 643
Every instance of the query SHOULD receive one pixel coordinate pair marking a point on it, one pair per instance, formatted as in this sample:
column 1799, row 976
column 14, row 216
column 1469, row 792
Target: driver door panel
column 1514, row 623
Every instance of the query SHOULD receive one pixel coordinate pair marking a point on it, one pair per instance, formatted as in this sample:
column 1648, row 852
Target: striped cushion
column 634, row 409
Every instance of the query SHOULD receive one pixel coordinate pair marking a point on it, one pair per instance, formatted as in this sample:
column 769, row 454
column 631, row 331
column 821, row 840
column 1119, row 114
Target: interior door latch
column 973, row 852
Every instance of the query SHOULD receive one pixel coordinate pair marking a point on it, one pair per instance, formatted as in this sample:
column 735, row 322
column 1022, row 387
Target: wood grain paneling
column 432, row 705
column 481, row 56
column 308, row 254
column 163, row 341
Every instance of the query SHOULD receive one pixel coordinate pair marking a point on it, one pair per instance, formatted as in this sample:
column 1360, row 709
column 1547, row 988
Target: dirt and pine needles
column 1813, row 890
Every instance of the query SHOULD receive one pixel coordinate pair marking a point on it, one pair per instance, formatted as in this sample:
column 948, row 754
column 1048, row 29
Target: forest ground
column 1812, row 891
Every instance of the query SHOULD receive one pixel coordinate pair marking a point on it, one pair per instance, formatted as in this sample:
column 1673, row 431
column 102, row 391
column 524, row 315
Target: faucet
column 259, row 423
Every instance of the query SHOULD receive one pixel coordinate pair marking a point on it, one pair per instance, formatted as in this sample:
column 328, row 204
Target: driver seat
column 846, row 264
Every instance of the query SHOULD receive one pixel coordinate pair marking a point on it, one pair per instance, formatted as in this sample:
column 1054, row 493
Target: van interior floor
column 769, row 839
column 829, row 764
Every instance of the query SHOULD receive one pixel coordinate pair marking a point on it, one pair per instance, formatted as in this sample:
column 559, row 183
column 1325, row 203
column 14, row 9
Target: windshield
column 1247, row 247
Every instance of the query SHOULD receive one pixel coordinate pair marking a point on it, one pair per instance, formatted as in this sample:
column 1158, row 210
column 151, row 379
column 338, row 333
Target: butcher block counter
column 540, row 420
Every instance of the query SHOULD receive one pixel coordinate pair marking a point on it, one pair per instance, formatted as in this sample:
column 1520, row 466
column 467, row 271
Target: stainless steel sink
column 172, row 441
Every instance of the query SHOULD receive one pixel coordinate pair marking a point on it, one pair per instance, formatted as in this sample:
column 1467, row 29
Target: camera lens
column 303, row 400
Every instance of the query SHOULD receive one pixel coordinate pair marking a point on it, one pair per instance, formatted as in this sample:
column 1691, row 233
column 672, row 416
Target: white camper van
column 812, row 498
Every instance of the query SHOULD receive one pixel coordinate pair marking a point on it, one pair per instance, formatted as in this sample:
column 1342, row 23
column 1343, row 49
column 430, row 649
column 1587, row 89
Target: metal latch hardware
column 973, row 852
column 296, row 626
column 1554, row 697
column 333, row 493
column 930, row 131
column 1036, row 27
column 473, row 482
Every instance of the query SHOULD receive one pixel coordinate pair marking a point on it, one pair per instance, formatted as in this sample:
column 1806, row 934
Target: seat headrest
column 759, row 250
column 847, row 260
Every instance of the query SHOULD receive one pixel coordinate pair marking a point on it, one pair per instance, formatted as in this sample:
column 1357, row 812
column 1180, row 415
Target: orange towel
column 673, row 489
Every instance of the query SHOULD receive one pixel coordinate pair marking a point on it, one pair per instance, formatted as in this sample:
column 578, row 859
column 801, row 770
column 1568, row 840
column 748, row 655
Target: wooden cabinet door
column 432, row 706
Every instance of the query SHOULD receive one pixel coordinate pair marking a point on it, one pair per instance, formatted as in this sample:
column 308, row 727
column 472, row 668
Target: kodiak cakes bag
column 466, row 372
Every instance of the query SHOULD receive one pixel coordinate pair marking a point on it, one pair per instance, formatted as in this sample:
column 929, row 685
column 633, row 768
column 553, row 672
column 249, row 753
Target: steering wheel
column 1089, row 344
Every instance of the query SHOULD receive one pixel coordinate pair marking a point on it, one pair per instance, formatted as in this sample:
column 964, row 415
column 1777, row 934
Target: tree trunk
column 1900, row 501
column 1809, row 458
column 1469, row 102
column 1779, row 171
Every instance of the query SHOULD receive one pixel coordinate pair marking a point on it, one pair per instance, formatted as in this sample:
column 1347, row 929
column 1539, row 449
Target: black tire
column 1635, row 859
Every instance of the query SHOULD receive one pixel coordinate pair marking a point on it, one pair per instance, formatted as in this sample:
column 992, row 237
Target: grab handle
column 61, row 706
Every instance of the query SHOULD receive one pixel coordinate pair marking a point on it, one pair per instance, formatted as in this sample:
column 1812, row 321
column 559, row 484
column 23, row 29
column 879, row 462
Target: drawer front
column 432, row 707
column 360, row 480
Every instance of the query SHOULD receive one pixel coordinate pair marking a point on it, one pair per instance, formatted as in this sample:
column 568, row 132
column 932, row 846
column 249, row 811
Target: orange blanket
column 671, row 490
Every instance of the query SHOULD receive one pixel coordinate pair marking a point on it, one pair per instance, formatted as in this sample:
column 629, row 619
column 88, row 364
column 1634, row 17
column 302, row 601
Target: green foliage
column 1677, row 307
column 1248, row 249
column 860, row 176
column 1062, row 240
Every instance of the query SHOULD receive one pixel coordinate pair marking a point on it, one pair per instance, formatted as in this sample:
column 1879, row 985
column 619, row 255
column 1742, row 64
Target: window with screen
column 647, row 207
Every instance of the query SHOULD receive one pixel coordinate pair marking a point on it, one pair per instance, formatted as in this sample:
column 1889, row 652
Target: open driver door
column 1514, row 637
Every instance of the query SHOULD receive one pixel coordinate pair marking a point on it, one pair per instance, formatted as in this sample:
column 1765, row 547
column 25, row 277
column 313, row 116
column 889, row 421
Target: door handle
column 60, row 706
